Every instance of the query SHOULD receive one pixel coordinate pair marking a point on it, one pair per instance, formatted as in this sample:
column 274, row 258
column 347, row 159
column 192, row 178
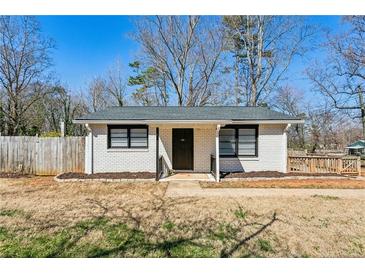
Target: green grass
column 117, row 240
column 240, row 213
column 105, row 237
column 11, row 212
column 168, row 225
column 265, row 245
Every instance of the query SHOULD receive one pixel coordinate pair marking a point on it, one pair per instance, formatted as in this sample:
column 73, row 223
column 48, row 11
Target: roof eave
column 105, row 121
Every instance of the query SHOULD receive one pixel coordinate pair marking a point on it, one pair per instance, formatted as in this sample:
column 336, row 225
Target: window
column 238, row 141
column 127, row 136
column 227, row 142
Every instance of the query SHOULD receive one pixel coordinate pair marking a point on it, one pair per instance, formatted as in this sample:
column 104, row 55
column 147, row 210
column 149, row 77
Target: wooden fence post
column 339, row 165
column 359, row 166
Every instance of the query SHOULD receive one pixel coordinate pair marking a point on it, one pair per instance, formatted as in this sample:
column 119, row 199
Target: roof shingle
column 187, row 113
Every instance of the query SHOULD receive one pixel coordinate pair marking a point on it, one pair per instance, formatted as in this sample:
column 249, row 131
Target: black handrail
column 163, row 168
column 213, row 165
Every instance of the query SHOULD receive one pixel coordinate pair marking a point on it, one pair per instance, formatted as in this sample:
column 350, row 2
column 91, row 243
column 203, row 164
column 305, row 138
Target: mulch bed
column 272, row 174
column 290, row 183
column 14, row 175
column 109, row 175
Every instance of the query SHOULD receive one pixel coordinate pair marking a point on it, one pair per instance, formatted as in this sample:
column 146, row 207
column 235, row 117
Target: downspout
column 91, row 148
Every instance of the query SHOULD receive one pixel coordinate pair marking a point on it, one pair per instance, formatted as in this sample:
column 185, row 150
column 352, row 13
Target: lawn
column 42, row 218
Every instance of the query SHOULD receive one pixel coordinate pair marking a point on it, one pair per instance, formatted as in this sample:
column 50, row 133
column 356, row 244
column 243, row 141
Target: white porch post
column 89, row 169
column 217, row 174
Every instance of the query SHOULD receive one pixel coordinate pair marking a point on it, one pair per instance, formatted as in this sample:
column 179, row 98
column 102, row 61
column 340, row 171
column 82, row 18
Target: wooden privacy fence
column 325, row 164
column 42, row 156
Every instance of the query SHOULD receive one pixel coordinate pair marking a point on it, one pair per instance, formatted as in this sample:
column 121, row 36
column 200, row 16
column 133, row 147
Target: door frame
column 192, row 151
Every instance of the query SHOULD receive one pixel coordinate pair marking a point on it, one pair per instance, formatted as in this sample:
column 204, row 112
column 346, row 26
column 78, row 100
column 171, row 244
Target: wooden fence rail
column 324, row 164
column 42, row 156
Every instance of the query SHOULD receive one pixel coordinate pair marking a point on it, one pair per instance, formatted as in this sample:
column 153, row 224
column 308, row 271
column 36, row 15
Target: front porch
column 188, row 176
column 187, row 152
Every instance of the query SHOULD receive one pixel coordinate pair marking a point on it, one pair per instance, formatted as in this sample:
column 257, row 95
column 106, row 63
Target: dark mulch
column 271, row 174
column 109, row 175
column 14, row 175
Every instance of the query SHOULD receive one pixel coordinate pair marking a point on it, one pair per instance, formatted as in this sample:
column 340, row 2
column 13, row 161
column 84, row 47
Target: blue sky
column 86, row 46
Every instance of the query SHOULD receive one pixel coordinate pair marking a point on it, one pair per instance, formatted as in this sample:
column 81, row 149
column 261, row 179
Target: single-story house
column 357, row 148
column 186, row 139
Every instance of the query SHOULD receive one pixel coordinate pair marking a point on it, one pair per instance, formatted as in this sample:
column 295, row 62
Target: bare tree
column 61, row 106
column 263, row 48
column 116, row 84
column 97, row 94
column 341, row 77
column 290, row 101
column 185, row 52
column 24, row 58
column 108, row 89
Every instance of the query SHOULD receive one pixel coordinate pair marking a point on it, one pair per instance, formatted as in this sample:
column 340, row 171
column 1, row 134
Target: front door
column 182, row 148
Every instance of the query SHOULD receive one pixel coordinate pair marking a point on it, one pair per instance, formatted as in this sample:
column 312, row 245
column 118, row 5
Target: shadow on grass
column 105, row 236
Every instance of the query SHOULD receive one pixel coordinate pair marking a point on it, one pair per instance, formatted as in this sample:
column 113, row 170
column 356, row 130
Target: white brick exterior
column 120, row 160
column 271, row 151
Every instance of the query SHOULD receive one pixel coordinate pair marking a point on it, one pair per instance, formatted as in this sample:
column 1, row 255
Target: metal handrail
column 163, row 168
column 213, row 165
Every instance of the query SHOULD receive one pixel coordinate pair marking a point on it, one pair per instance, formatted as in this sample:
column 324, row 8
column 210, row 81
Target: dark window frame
column 128, row 127
column 236, row 136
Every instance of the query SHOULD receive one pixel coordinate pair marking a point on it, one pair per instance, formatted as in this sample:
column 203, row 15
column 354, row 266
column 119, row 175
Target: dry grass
column 288, row 183
column 41, row 218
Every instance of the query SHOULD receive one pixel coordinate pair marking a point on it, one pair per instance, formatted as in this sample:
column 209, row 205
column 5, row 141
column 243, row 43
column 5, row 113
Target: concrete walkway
column 193, row 189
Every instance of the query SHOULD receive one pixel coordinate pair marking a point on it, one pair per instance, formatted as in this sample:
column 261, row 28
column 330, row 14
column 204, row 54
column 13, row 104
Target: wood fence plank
column 42, row 156
column 325, row 164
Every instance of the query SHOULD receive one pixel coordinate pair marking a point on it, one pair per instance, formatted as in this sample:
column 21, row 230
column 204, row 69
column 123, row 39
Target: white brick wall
column 271, row 152
column 119, row 160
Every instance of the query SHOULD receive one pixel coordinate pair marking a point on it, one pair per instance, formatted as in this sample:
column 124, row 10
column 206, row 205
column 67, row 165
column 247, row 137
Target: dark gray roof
column 187, row 113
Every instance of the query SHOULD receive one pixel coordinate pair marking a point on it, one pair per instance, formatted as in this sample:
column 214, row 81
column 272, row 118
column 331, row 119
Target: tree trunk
column 236, row 85
column 362, row 107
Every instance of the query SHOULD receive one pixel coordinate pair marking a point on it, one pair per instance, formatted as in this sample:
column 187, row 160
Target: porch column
column 89, row 153
column 217, row 174
column 157, row 153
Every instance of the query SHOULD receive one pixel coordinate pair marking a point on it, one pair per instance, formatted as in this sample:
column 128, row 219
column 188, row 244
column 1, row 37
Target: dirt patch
column 272, row 174
column 14, row 175
column 300, row 183
column 110, row 175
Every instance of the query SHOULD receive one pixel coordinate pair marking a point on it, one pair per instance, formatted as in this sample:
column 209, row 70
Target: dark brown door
column 182, row 148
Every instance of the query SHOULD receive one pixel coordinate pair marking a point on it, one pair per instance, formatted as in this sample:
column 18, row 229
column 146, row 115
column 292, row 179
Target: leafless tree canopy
column 24, row 58
column 185, row 52
column 109, row 89
column 263, row 48
column 341, row 77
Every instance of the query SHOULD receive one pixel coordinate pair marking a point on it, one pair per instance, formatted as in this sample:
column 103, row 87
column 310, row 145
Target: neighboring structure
column 194, row 139
column 357, row 148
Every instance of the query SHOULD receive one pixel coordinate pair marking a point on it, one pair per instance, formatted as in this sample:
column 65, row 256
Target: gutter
column 115, row 122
